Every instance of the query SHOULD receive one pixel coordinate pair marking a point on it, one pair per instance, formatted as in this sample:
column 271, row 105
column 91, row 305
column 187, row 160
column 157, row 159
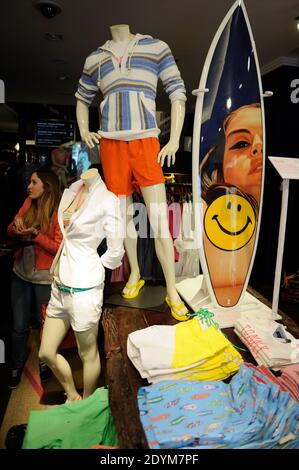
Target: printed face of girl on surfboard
column 234, row 165
column 243, row 152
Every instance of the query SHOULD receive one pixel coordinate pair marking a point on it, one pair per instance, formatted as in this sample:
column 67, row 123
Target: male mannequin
column 129, row 85
column 87, row 213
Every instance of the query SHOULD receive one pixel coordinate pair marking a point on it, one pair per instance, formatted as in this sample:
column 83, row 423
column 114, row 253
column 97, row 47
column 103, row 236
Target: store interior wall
column 282, row 127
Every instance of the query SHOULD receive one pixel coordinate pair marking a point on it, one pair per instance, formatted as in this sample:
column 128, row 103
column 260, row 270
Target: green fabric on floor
column 77, row 425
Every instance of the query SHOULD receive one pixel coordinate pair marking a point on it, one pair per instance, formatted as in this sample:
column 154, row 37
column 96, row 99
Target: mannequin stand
column 288, row 169
column 149, row 298
column 195, row 294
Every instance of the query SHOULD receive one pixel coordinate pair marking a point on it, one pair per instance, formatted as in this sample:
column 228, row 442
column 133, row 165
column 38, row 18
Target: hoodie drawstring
column 130, row 56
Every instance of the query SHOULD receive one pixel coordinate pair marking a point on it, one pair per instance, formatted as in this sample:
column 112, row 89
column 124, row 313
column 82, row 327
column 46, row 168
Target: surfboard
column 228, row 159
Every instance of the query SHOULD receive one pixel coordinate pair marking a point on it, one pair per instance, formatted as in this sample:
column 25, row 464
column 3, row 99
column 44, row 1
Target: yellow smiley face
column 229, row 222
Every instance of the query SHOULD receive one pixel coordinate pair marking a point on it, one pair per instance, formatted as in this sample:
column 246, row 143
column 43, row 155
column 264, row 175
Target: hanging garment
column 186, row 244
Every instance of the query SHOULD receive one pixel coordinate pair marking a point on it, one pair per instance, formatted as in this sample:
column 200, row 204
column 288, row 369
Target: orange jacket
column 45, row 244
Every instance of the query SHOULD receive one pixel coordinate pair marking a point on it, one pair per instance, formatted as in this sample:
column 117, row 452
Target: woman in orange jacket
column 37, row 222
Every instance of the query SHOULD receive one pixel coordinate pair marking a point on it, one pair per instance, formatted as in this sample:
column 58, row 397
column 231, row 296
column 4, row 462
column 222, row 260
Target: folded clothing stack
column 252, row 412
column 290, row 380
column 195, row 349
column 268, row 341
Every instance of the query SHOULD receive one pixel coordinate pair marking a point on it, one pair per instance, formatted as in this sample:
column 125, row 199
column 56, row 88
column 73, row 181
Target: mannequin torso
column 89, row 177
column 60, row 155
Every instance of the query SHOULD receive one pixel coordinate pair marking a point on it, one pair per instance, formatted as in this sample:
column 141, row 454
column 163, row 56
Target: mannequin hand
column 169, row 151
column 90, row 138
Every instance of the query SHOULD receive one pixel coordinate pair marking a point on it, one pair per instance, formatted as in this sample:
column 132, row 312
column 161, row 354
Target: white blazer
column 99, row 217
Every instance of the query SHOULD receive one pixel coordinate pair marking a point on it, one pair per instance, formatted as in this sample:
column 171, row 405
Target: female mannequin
column 87, row 213
column 118, row 131
column 60, row 162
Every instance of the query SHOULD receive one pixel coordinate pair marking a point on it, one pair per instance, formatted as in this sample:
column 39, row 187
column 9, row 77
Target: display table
column 124, row 380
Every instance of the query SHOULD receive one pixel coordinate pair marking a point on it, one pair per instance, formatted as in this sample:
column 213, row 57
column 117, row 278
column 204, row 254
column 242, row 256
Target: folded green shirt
column 76, row 425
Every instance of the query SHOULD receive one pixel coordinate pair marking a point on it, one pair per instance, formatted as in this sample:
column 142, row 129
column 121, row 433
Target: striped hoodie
column 129, row 89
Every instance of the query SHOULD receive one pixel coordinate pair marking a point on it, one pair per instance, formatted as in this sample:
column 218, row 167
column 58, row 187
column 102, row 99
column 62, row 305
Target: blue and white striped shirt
column 129, row 89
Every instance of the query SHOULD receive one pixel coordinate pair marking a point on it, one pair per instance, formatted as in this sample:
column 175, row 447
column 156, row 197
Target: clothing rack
column 179, row 192
column 189, row 185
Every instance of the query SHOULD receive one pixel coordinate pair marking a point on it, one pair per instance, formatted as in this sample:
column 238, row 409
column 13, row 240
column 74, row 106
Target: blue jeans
column 26, row 299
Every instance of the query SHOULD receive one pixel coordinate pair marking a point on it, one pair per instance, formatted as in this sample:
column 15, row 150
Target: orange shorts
column 127, row 165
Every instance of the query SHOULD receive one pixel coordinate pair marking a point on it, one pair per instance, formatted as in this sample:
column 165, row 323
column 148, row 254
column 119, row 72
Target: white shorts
column 83, row 309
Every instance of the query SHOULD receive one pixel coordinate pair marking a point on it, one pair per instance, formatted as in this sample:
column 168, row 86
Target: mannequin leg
column 54, row 331
column 63, row 179
column 130, row 244
column 89, row 354
column 155, row 201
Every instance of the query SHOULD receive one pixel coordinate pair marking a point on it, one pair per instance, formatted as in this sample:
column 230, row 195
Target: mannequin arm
column 177, row 121
column 82, row 112
column 113, row 228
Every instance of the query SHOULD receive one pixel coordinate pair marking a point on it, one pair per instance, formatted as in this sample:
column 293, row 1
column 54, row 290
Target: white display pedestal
column 193, row 291
column 288, row 169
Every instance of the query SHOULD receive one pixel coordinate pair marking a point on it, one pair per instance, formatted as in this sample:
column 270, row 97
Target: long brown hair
column 41, row 210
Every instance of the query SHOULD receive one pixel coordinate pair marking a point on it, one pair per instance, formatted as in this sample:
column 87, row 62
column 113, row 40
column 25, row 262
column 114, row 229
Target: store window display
column 87, row 214
column 126, row 70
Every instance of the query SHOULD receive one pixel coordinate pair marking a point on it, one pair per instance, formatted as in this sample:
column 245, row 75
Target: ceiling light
column 47, row 8
column 297, row 22
column 63, row 78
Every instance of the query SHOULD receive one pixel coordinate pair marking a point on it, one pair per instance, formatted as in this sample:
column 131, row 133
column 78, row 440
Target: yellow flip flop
column 177, row 307
column 137, row 287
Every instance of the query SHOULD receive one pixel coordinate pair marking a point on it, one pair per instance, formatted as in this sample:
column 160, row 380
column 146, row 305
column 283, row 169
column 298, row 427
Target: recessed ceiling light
column 53, row 37
column 47, row 8
column 63, row 78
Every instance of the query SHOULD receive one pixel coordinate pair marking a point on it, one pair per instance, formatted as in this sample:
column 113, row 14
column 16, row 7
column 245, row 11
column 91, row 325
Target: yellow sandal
column 177, row 307
column 137, row 287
